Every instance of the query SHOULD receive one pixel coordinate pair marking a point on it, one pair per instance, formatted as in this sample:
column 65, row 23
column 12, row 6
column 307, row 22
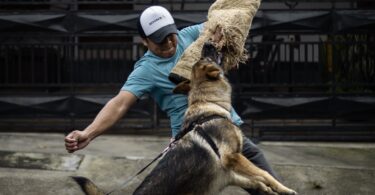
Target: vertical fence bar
column 45, row 64
column 336, row 54
column 291, row 67
column 19, row 65
column 6, row 72
column 113, row 70
column 58, row 64
column 320, row 64
column 305, row 63
column 71, row 61
column 32, row 63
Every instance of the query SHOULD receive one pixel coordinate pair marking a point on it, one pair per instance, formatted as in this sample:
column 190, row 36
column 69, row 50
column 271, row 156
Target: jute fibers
column 234, row 18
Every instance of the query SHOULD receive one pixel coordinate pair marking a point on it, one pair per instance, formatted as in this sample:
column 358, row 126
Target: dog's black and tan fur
column 192, row 167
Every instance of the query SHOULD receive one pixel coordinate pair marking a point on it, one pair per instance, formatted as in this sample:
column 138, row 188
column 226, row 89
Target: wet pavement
column 32, row 163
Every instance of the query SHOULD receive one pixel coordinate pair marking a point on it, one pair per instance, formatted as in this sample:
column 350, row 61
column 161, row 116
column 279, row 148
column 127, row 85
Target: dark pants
column 253, row 153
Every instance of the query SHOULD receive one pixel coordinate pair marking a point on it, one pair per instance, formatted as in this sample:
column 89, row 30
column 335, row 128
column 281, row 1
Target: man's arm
column 106, row 118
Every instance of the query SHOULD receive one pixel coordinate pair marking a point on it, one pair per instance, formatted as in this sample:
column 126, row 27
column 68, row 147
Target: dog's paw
column 266, row 190
column 289, row 192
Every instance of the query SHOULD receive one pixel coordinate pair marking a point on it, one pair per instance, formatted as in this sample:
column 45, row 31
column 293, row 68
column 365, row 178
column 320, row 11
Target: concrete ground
column 32, row 163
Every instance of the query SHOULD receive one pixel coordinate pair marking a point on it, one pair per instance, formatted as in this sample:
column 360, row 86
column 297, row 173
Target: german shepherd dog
column 207, row 156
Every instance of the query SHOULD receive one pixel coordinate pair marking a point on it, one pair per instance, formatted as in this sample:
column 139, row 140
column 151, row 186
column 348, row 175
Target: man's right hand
column 107, row 117
column 76, row 140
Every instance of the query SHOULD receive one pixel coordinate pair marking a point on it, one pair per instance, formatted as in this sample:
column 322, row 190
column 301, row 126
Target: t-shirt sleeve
column 139, row 82
column 235, row 118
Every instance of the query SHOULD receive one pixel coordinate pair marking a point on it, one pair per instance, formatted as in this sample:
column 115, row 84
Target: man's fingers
column 70, row 144
column 71, row 147
column 75, row 140
column 72, row 137
column 70, row 140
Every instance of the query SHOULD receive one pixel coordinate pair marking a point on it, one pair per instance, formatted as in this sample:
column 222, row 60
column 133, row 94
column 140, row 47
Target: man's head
column 158, row 31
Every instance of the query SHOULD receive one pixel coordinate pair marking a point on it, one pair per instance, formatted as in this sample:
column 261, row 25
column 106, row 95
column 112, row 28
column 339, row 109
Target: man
column 150, row 76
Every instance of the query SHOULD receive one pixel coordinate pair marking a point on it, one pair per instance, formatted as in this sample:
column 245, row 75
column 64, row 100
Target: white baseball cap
column 156, row 23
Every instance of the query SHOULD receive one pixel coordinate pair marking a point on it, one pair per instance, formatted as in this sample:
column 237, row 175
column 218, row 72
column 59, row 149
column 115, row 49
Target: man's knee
column 249, row 149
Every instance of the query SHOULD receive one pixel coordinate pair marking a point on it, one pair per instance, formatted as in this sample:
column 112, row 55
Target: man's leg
column 255, row 155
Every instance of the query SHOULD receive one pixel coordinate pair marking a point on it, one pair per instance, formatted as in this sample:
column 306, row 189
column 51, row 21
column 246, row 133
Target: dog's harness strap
column 195, row 125
column 208, row 139
column 199, row 121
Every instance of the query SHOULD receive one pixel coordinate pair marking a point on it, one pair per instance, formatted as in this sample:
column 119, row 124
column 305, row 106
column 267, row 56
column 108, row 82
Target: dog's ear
column 213, row 73
column 182, row 88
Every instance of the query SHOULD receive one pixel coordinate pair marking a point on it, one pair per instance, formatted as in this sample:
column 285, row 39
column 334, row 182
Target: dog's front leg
column 257, row 178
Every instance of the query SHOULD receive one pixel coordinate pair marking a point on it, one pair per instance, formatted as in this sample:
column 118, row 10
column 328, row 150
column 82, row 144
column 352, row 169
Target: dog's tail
column 87, row 186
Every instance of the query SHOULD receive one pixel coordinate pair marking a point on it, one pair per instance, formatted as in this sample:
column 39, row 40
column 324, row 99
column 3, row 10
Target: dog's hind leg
column 257, row 178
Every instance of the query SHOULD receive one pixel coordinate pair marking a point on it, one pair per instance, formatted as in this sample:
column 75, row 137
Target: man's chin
column 168, row 54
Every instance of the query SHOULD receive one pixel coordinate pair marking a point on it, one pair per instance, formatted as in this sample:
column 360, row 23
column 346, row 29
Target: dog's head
column 206, row 69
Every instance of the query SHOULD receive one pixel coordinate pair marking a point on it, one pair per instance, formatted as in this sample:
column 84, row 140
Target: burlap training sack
column 234, row 18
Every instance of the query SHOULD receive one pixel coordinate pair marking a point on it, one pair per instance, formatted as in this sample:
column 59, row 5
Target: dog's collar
column 196, row 126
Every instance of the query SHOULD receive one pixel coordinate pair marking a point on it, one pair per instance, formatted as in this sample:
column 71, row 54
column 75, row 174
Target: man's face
column 165, row 49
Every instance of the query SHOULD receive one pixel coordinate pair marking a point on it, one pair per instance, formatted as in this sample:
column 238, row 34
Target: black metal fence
column 329, row 66
column 310, row 75
column 64, row 64
column 321, row 85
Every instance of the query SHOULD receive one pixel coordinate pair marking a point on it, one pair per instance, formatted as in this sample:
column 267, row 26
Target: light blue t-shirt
column 150, row 76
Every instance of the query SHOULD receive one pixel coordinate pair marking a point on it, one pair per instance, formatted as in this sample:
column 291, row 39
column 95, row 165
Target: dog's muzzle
column 210, row 52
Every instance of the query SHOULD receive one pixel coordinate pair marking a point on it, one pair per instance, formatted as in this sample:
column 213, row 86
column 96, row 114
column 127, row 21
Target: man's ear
column 213, row 73
column 182, row 88
column 144, row 42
